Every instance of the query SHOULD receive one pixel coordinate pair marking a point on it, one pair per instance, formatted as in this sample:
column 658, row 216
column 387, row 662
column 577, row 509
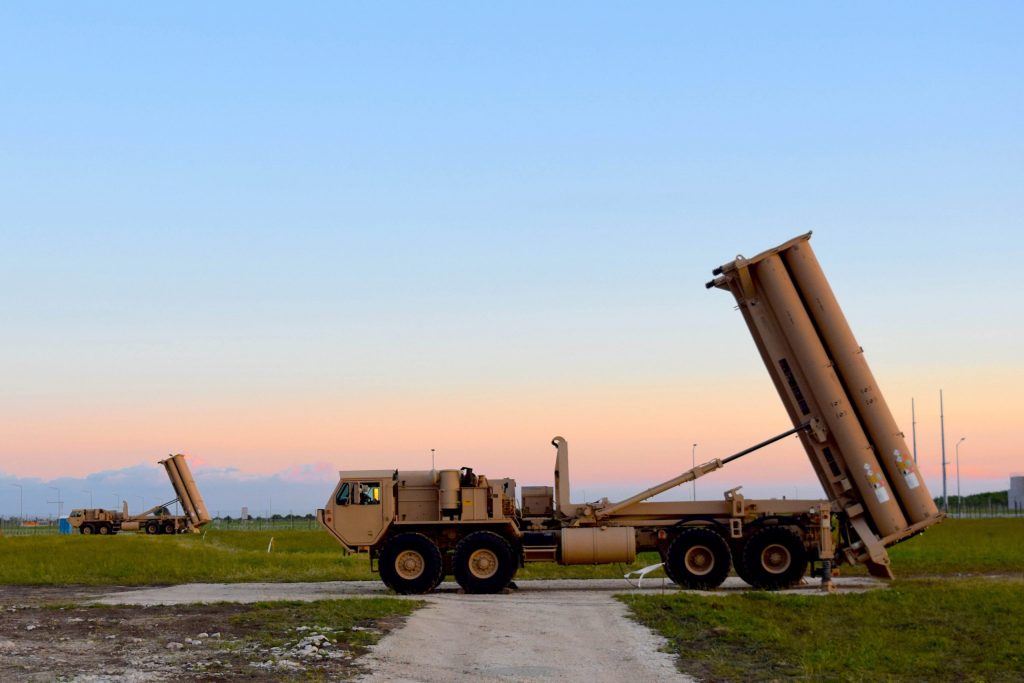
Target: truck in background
column 157, row 519
column 420, row 526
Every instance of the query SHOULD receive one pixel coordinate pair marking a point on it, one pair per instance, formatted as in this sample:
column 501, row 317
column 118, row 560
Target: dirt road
column 568, row 630
column 529, row 635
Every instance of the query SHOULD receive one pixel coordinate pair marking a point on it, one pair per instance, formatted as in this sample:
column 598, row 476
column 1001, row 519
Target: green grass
column 968, row 546
column 918, row 630
column 273, row 624
column 223, row 556
column 989, row 546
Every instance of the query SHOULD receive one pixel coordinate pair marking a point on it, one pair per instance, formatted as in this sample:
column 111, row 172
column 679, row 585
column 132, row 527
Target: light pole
column 942, row 434
column 693, row 461
column 117, row 497
column 89, row 491
column 21, row 504
column 959, row 500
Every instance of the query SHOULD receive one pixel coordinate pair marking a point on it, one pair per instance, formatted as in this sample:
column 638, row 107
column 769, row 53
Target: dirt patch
column 181, row 643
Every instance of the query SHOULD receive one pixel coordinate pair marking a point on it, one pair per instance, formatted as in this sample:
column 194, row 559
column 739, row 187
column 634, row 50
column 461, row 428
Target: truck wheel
column 483, row 562
column 698, row 558
column 410, row 564
column 86, row 529
column 104, row 529
column 152, row 528
column 168, row 527
column 774, row 558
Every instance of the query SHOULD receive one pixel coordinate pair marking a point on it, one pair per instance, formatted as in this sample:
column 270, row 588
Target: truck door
column 360, row 513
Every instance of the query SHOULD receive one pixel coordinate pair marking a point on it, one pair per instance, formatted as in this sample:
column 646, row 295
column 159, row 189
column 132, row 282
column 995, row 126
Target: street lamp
column 693, row 461
column 959, row 500
column 21, row 504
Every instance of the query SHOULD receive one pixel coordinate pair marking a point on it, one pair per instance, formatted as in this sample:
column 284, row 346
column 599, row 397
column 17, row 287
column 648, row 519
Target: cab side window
column 369, row 493
column 343, row 495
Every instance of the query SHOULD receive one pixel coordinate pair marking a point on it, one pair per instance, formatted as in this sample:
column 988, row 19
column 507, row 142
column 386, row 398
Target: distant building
column 1015, row 497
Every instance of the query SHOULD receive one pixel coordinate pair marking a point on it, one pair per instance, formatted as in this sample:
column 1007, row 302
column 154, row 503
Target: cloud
column 299, row 489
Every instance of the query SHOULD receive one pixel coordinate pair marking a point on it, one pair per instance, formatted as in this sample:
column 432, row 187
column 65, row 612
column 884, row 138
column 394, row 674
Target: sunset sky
column 292, row 240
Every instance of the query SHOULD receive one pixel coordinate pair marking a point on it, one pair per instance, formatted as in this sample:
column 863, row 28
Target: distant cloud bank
column 299, row 489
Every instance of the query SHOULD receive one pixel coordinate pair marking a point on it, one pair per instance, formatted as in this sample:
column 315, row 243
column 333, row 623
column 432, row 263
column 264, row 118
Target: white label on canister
column 911, row 479
column 882, row 494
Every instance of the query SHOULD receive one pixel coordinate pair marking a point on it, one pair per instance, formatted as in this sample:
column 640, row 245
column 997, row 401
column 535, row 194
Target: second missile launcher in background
column 157, row 519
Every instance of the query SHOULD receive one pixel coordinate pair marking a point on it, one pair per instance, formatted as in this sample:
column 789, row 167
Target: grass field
column 918, row 630
column 274, row 623
column 953, row 614
column 992, row 546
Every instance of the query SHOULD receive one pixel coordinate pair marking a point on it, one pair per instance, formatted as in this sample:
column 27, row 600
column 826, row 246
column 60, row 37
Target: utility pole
column 59, row 502
column 913, row 429
column 942, row 431
column 432, row 459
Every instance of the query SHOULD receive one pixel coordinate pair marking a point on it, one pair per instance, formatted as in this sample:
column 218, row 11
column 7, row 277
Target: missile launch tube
column 185, row 486
column 852, row 367
column 198, row 505
column 868, row 477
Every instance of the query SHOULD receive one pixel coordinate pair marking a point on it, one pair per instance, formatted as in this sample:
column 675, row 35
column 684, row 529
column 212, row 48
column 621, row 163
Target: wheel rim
column 776, row 558
column 483, row 563
column 409, row 564
column 699, row 560
column 86, row 530
column 104, row 530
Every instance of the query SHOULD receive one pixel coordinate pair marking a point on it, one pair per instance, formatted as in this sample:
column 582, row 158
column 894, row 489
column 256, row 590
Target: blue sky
column 219, row 221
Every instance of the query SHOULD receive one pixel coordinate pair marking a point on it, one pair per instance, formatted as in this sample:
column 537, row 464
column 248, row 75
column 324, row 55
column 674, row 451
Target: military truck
column 420, row 526
column 157, row 519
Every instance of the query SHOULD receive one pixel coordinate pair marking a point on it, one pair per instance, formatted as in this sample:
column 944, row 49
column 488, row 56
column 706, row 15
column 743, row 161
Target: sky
column 292, row 240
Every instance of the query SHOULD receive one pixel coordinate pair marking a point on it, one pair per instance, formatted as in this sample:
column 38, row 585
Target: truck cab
column 360, row 507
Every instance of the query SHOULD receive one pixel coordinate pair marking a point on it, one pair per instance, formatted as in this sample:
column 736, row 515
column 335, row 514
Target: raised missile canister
column 185, row 486
column 868, row 402
column 857, row 451
column 868, row 475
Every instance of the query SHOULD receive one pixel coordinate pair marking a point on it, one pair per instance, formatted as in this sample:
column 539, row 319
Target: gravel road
column 565, row 630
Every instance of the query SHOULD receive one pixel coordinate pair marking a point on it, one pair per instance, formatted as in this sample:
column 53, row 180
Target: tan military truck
column 421, row 526
column 157, row 519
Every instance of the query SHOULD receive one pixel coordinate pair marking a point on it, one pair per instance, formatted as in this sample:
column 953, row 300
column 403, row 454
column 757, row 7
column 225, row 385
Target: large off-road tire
column 774, row 558
column 410, row 564
column 698, row 558
column 152, row 528
column 484, row 562
column 86, row 529
column 103, row 530
column 168, row 527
